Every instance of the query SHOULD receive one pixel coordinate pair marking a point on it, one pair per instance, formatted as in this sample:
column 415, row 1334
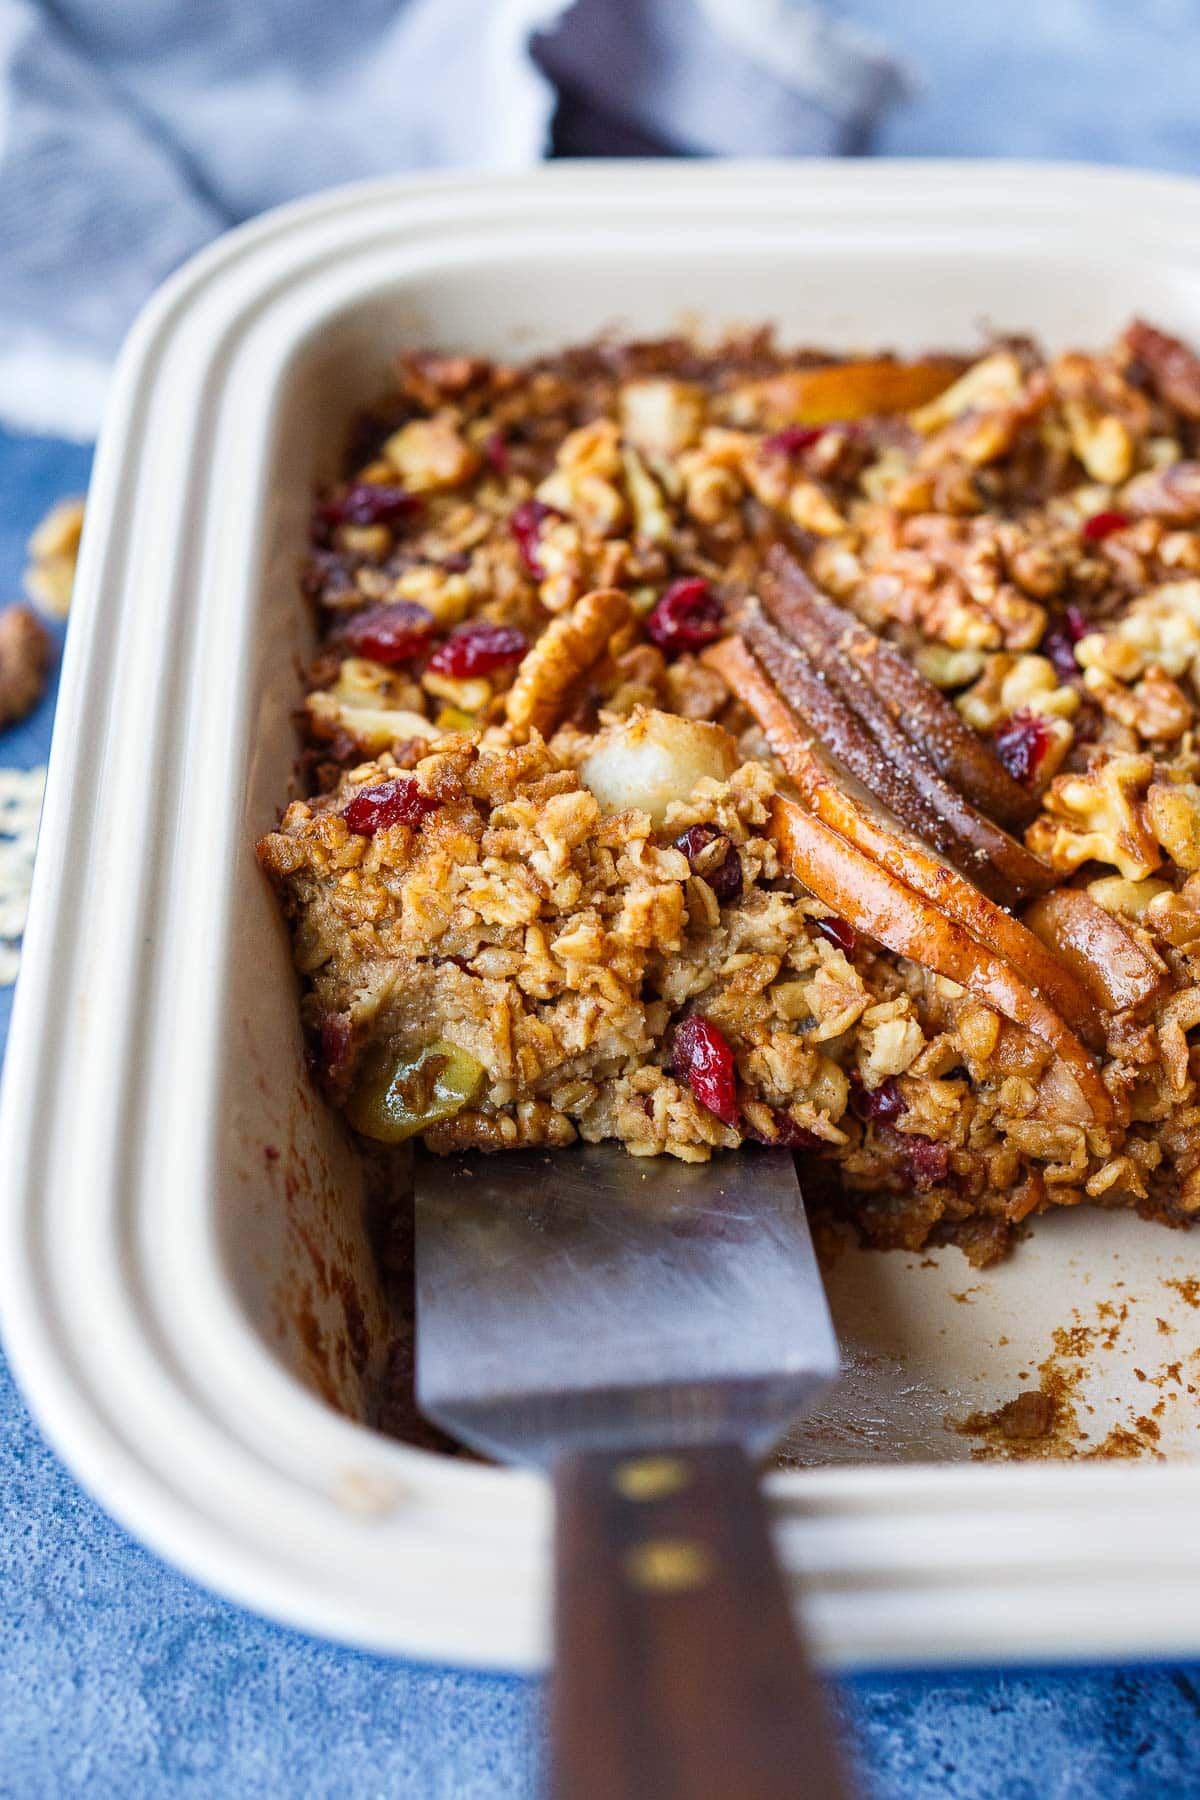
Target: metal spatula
column 641, row 1330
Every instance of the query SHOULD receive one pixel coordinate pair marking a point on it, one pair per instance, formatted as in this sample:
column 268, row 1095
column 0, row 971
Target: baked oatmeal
column 711, row 744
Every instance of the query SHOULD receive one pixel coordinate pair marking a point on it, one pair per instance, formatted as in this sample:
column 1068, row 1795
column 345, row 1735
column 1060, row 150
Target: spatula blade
column 587, row 1298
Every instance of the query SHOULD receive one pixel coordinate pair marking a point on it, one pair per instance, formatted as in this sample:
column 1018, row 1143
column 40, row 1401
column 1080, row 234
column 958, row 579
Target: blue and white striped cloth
column 131, row 131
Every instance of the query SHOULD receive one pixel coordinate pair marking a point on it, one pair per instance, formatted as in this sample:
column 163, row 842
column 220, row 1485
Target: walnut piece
column 1161, row 629
column 1173, row 813
column 661, row 417
column 1174, row 369
column 25, row 651
column 1171, row 493
column 568, row 647
column 1155, row 707
column 430, row 453
column 994, row 381
column 1100, row 440
column 1012, row 684
column 375, row 706
column 1099, row 817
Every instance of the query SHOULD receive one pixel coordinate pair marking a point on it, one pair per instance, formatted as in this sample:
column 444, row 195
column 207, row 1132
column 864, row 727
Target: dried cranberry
column 1059, row 641
column 788, row 1135
column 332, row 1058
column 881, row 1104
column 688, row 616
column 1102, row 525
column 793, row 438
column 495, row 450
column 701, row 1056
column 399, row 802
column 1088, row 724
column 525, row 522
column 1021, row 744
column 725, row 879
column 926, row 1162
column 838, row 931
column 391, row 632
column 477, row 648
column 368, row 503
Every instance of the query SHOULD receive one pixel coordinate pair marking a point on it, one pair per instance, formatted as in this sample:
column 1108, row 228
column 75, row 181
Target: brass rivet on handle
column 669, row 1565
column 651, row 1477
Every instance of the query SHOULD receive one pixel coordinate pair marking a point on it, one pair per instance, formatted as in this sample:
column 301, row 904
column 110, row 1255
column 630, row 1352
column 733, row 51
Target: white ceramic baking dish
column 183, row 1269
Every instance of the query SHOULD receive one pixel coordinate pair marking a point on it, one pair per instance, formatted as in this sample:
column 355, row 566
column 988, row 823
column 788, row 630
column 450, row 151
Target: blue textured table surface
column 119, row 1677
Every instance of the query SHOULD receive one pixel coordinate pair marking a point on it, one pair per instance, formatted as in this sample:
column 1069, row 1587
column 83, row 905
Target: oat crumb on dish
column 712, row 744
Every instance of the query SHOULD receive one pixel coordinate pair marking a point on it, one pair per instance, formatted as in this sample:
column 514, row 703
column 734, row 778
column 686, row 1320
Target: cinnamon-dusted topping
column 858, row 817
column 911, row 723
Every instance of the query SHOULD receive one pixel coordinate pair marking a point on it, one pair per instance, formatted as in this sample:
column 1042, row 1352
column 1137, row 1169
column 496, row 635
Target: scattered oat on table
column 20, row 809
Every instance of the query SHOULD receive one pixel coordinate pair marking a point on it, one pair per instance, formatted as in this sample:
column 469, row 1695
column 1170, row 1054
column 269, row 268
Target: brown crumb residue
column 1032, row 1415
column 1121, row 1442
column 1188, row 1289
column 1044, row 1422
column 1038, row 1423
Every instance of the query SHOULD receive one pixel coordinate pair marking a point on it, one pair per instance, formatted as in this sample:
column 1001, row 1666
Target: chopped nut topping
column 1099, row 816
column 567, row 648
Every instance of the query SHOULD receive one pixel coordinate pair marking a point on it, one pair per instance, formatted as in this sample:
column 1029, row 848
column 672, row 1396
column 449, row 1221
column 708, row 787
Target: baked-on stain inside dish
column 722, row 744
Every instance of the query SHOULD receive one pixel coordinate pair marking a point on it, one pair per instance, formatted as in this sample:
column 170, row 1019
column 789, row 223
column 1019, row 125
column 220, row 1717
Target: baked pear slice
column 838, row 727
column 876, row 903
column 836, row 393
column 1099, row 949
column 860, row 818
column 986, row 849
column 925, row 716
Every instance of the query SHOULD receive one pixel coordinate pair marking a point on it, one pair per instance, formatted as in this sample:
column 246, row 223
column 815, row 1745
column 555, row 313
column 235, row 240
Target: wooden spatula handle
column 678, row 1674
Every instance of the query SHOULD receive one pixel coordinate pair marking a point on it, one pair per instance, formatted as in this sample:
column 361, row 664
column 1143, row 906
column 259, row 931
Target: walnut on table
column 53, row 549
column 25, row 652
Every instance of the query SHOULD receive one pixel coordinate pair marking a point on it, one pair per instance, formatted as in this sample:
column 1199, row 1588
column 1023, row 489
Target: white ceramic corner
column 186, row 1290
